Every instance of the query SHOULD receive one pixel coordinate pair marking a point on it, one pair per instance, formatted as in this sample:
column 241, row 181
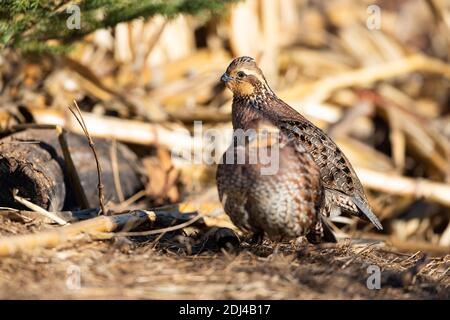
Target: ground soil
column 169, row 268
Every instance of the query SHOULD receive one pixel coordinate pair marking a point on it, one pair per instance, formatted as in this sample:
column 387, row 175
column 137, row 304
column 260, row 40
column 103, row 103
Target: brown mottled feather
column 253, row 99
column 281, row 205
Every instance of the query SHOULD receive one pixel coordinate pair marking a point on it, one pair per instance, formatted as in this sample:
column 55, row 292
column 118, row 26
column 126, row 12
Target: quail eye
column 240, row 74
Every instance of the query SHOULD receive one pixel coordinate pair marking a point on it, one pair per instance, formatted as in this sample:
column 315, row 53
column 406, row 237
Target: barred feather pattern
column 284, row 205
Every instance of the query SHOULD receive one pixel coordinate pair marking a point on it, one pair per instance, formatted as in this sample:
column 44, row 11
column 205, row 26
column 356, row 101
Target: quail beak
column 225, row 78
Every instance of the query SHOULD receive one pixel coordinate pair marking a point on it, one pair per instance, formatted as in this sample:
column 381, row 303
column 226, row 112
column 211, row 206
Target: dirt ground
column 171, row 267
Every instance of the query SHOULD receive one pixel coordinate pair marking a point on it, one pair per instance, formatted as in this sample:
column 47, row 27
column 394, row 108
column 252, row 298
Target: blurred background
column 375, row 75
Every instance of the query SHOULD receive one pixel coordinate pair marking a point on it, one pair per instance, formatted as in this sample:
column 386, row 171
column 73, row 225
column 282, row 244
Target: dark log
column 226, row 238
column 32, row 162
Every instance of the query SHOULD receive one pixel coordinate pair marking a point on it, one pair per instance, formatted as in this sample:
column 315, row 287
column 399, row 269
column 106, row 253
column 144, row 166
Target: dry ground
column 176, row 267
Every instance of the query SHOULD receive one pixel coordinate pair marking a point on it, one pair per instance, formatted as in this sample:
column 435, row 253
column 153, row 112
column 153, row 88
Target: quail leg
column 321, row 233
column 257, row 238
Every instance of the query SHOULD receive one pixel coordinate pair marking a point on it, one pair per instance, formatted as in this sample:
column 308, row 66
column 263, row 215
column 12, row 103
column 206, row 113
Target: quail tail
column 364, row 208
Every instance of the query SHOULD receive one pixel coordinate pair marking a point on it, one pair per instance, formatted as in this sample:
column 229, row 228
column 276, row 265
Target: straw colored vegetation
column 383, row 94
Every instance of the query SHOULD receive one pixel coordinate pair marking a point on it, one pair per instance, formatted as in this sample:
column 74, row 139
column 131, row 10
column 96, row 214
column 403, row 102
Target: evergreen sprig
column 29, row 24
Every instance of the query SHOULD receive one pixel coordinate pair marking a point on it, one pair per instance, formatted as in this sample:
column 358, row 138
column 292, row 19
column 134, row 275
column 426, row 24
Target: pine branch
column 29, row 24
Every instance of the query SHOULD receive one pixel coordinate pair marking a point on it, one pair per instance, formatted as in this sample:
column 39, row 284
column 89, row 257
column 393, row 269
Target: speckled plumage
column 254, row 100
column 282, row 205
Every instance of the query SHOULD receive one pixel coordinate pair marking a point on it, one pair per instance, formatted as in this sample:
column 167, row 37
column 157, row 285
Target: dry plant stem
column 149, row 45
column 131, row 200
column 416, row 188
column 406, row 245
column 40, row 210
column 164, row 218
column 115, row 170
column 71, row 170
column 322, row 89
column 439, row 13
column 80, row 119
column 100, row 224
column 368, row 247
column 417, row 132
column 100, row 227
column 35, row 216
column 445, row 237
column 163, row 230
column 270, row 25
column 131, row 131
column 397, row 138
column 21, row 126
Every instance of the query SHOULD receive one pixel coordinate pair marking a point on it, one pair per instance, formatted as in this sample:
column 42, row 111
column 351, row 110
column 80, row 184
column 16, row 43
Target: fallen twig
column 94, row 225
column 416, row 188
column 405, row 245
column 158, row 231
column 77, row 114
column 39, row 210
column 100, row 224
column 115, row 171
column 127, row 202
column 131, row 131
column 74, row 178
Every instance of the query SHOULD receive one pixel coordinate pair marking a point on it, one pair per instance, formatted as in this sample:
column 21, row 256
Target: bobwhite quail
column 275, row 196
column 269, row 185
